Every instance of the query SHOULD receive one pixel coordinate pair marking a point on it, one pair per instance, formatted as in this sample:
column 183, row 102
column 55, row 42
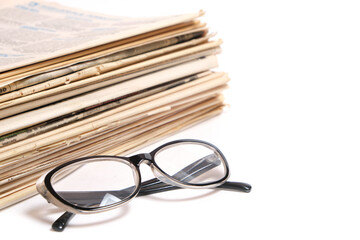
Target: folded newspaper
column 76, row 83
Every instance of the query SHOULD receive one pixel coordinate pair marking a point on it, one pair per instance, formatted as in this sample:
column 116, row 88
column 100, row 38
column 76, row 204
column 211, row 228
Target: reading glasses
column 100, row 183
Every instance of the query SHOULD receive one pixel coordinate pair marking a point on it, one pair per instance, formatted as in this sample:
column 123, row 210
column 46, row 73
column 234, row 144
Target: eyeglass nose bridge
column 141, row 158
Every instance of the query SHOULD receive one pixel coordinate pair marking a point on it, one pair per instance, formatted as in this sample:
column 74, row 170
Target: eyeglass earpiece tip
column 57, row 226
column 60, row 224
column 248, row 188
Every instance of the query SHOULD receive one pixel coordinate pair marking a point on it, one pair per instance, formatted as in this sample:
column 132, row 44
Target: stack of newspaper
column 75, row 83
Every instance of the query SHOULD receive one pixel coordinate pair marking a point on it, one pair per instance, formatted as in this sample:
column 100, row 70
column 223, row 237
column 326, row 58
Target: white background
column 292, row 131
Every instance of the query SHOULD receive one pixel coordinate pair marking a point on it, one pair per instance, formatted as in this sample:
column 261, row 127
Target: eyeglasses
column 100, row 183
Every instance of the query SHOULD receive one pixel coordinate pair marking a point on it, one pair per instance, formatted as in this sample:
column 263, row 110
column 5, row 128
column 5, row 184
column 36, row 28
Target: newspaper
column 34, row 31
column 48, row 97
column 99, row 51
column 89, row 111
column 93, row 83
column 32, row 80
column 111, row 118
column 71, row 80
column 16, row 122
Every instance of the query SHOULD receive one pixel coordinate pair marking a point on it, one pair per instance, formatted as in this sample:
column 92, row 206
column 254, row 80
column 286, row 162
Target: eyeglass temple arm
column 187, row 174
column 163, row 187
column 190, row 172
column 156, row 186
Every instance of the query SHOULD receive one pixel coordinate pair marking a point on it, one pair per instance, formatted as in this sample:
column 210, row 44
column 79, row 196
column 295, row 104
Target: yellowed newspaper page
column 34, row 31
column 56, row 110
column 111, row 118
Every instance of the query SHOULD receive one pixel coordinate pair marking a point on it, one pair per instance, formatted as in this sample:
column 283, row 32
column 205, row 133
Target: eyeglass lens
column 190, row 157
column 94, row 184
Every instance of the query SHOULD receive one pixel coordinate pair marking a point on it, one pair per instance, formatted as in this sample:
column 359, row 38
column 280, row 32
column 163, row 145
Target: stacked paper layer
column 71, row 89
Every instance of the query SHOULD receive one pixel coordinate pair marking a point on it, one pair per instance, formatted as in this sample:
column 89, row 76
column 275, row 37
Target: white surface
column 292, row 131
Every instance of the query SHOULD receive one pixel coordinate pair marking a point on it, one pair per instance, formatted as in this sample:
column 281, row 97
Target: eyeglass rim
column 45, row 188
column 191, row 185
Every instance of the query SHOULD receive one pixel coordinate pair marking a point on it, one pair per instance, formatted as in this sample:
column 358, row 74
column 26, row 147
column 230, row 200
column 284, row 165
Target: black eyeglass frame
column 45, row 188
